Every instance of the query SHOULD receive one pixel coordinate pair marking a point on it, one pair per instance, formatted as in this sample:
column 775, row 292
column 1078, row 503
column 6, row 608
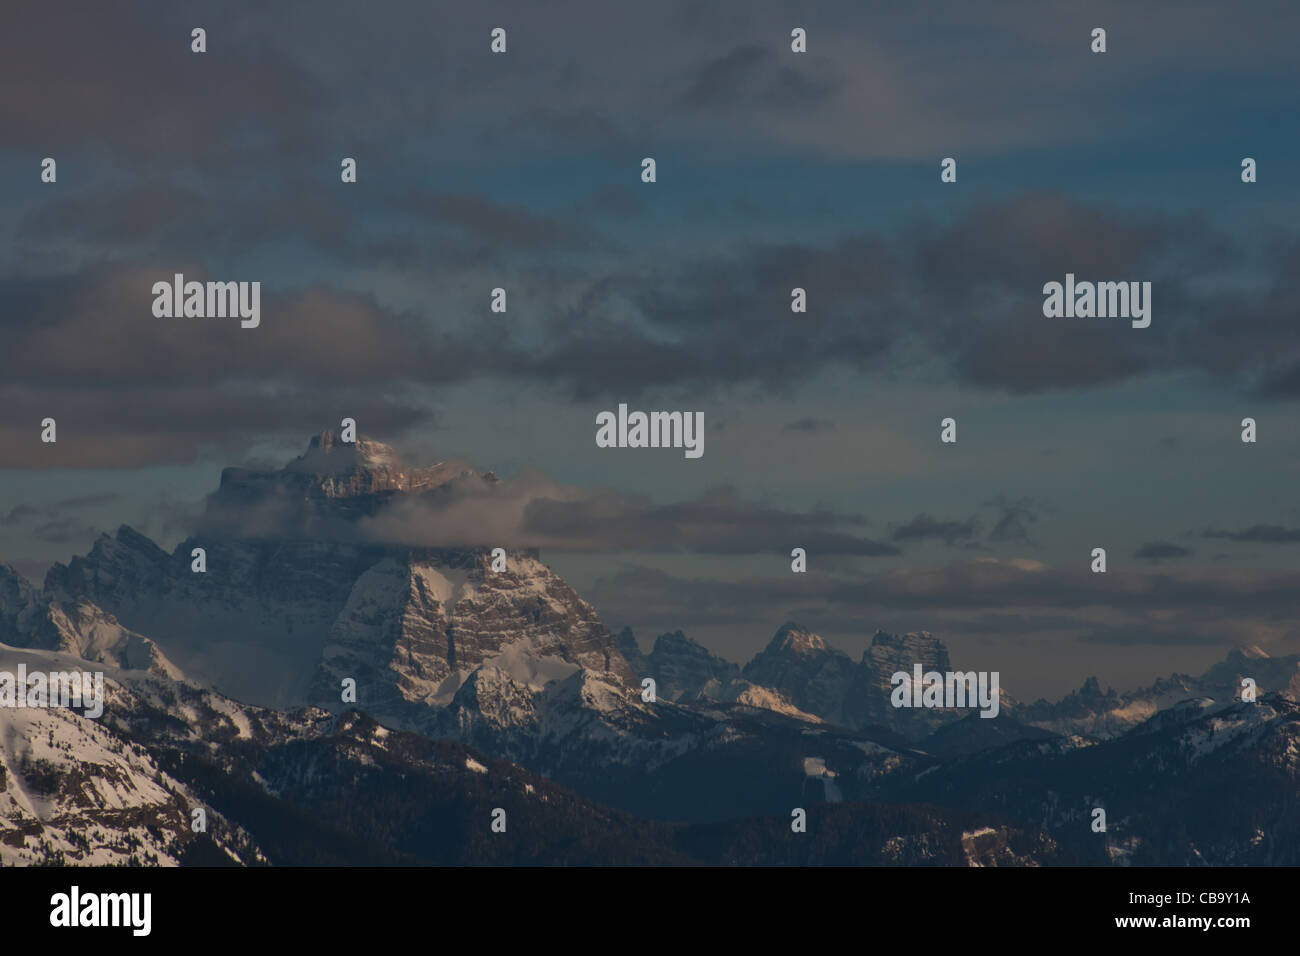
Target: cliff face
column 331, row 480
column 826, row 682
column 887, row 655
column 282, row 615
column 415, row 627
column 800, row 665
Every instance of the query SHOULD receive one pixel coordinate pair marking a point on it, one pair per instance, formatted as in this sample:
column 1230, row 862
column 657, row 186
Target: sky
column 775, row 170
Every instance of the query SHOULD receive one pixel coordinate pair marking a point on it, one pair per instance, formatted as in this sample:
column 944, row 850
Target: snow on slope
column 74, row 791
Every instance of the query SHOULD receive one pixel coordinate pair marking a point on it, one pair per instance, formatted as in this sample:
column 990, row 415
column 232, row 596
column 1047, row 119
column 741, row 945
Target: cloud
column 402, row 82
column 923, row 527
column 174, row 386
column 1264, row 533
column 809, row 425
column 962, row 296
column 1019, row 600
column 1013, row 521
column 498, row 225
column 57, row 522
column 20, row 514
column 615, row 202
column 175, row 423
column 65, row 530
column 959, row 298
column 59, row 329
column 158, row 215
column 750, row 76
column 1158, row 550
column 583, row 127
column 126, row 79
column 532, row 511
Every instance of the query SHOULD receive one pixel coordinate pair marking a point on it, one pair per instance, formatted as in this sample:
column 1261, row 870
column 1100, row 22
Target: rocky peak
column 793, row 639
column 1091, row 689
column 116, row 566
column 815, row 677
column 682, row 667
column 625, row 643
column 890, row 653
column 333, row 478
column 1275, row 674
column 420, row 624
column 328, row 454
column 869, row 702
column 17, row 597
column 338, row 469
column 16, row 592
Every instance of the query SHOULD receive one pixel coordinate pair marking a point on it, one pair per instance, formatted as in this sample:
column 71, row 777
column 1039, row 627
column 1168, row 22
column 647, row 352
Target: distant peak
column 358, row 476
column 884, row 639
column 792, row 637
column 130, row 538
column 328, row 453
column 673, row 637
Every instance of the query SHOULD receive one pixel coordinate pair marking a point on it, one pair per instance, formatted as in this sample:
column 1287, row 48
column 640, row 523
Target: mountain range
column 326, row 696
